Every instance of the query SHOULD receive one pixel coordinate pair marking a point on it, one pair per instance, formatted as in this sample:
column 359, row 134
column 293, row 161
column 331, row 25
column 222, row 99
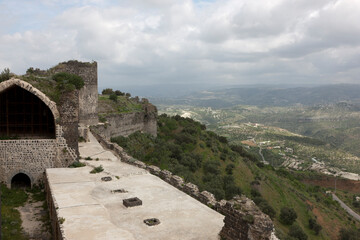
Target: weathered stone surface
column 132, row 202
column 207, row 198
column 88, row 95
column 177, row 181
column 154, row 170
column 140, row 164
column 244, row 220
column 69, row 118
column 166, row 175
column 127, row 123
column 191, row 189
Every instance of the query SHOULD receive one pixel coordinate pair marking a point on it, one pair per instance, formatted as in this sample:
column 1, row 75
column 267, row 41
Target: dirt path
column 34, row 219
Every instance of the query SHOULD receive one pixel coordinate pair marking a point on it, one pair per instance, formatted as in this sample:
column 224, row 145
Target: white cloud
column 162, row 41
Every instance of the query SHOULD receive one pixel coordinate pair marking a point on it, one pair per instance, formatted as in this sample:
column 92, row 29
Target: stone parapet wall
column 126, row 124
column 58, row 232
column 243, row 219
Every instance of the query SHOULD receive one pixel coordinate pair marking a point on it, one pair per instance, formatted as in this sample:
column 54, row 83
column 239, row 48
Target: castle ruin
column 37, row 133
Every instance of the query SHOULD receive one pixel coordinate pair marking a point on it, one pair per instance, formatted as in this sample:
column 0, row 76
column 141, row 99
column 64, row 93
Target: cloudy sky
column 144, row 42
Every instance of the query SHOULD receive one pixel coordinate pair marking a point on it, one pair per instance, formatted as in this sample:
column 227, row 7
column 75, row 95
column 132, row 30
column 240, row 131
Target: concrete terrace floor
column 92, row 211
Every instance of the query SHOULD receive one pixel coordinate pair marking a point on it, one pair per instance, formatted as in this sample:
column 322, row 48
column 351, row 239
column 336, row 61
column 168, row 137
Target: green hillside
column 186, row 148
column 336, row 126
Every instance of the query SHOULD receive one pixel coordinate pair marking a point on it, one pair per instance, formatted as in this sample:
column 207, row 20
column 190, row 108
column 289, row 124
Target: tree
column 297, row 232
column 349, row 234
column 229, row 168
column 314, row 226
column 107, row 91
column 287, row 215
column 119, row 93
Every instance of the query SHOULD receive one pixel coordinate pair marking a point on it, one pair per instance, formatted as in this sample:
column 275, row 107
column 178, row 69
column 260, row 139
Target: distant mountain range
column 268, row 96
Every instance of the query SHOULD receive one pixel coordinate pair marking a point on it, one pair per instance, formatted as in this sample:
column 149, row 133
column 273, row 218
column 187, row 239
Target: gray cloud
column 178, row 41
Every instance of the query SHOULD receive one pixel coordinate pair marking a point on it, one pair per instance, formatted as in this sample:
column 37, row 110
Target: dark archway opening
column 23, row 115
column 21, row 180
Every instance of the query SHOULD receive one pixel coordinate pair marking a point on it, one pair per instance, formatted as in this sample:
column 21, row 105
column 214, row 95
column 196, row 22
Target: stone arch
column 27, row 86
column 15, row 173
column 26, row 110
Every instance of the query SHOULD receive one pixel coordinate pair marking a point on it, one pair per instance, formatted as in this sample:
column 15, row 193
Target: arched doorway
column 21, row 180
column 24, row 116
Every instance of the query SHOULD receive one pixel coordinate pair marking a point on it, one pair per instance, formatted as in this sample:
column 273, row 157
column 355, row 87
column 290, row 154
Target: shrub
column 5, row 75
column 248, row 218
column 267, row 209
column 211, row 167
column 287, row 215
column 314, row 226
column 119, row 93
column 297, row 232
column 77, row 165
column 113, row 97
column 349, row 234
column 230, row 168
column 107, row 91
column 68, row 81
column 97, row 169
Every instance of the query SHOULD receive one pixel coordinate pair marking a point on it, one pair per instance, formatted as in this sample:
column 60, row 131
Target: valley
column 319, row 138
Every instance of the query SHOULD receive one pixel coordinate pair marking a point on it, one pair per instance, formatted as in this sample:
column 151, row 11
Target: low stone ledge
column 207, row 198
column 191, row 189
column 165, row 175
column 140, row 164
column 154, row 170
column 177, row 182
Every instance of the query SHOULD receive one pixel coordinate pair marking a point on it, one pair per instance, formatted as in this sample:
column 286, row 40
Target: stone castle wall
column 88, row 95
column 128, row 123
column 33, row 156
column 125, row 124
column 56, row 225
column 69, row 118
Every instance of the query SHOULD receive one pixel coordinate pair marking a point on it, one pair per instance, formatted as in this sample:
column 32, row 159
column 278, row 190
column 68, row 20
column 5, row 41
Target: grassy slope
column 279, row 188
column 123, row 105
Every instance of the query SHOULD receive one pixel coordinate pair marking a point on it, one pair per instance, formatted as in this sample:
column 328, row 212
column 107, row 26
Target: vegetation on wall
column 117, row 102
column 5, row 74
column 68, row 81
column 54, row 85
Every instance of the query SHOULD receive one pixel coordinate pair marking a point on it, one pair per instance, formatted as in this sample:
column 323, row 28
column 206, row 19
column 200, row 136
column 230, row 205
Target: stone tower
column 88, row 95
